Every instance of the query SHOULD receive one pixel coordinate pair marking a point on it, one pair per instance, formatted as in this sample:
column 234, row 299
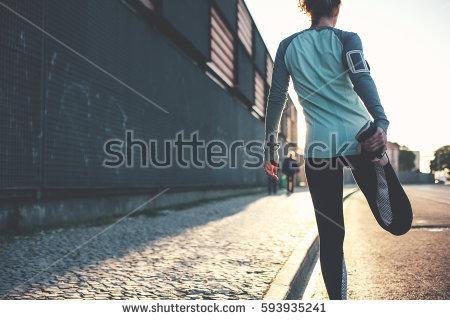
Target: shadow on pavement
column 30, row 256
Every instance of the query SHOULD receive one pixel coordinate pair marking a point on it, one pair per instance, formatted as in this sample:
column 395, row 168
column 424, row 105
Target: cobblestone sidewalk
column 230, row 249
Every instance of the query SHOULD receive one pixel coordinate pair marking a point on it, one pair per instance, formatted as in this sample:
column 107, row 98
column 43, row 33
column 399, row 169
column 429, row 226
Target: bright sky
column 407, row 43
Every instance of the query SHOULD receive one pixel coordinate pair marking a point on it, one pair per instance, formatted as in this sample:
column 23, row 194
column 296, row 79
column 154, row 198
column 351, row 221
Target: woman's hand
column 271, row 170
column 377, row 142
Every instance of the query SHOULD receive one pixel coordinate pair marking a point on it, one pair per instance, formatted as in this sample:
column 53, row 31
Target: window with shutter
column 269, row 69
column 245, row 32
column 222, row 48
column 259, row 92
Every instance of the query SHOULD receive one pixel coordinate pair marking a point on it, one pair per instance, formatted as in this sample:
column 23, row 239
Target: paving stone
column 228, row 249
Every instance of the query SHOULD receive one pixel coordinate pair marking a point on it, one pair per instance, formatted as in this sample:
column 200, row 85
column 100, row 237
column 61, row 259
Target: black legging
column 290, row 183
column 384, row 194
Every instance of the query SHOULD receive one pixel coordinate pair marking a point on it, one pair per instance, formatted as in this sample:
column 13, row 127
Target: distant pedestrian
column 272, row 185
column 290, row 168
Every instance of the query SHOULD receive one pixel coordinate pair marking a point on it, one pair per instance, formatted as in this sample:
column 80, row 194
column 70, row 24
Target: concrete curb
column 292, row 279
column 295, row 273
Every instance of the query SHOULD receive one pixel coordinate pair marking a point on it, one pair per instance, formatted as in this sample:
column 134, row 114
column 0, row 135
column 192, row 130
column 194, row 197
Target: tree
column 441, row 159
column 406, row 160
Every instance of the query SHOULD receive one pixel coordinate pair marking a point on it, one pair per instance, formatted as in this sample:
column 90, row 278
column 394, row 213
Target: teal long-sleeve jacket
column 334, row 86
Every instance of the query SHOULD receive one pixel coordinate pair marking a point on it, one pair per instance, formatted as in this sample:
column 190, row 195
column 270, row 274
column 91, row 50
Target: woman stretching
column 339, row 97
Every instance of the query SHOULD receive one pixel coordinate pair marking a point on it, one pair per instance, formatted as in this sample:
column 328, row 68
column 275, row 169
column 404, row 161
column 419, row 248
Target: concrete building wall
column 117, row 65
column 393, row 151
column 417, row 160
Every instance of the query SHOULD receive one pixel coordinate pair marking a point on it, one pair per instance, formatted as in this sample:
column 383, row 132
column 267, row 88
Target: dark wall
column 260, row 54
column 245, row 73
column 191, row 18
column 20, row 95
column 228, row 7
column 53, row 130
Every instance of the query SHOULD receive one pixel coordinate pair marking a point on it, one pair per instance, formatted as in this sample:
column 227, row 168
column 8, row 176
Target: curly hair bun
column 318, row 8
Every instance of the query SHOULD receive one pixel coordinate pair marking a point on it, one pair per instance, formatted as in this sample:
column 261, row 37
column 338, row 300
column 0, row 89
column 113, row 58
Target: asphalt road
column 384, row 267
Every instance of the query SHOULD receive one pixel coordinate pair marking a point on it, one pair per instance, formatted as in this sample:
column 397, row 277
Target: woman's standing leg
column 326, row 184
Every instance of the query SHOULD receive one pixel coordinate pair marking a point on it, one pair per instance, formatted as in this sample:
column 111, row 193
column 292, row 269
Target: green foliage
column 406, row 160
column 441, row 159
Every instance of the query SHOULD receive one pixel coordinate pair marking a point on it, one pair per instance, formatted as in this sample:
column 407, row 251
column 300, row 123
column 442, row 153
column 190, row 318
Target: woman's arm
column 364, row 86
column 276, row 102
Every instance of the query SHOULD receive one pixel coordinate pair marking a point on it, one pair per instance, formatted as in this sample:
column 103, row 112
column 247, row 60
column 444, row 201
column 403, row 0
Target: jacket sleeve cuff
column 383, row 124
